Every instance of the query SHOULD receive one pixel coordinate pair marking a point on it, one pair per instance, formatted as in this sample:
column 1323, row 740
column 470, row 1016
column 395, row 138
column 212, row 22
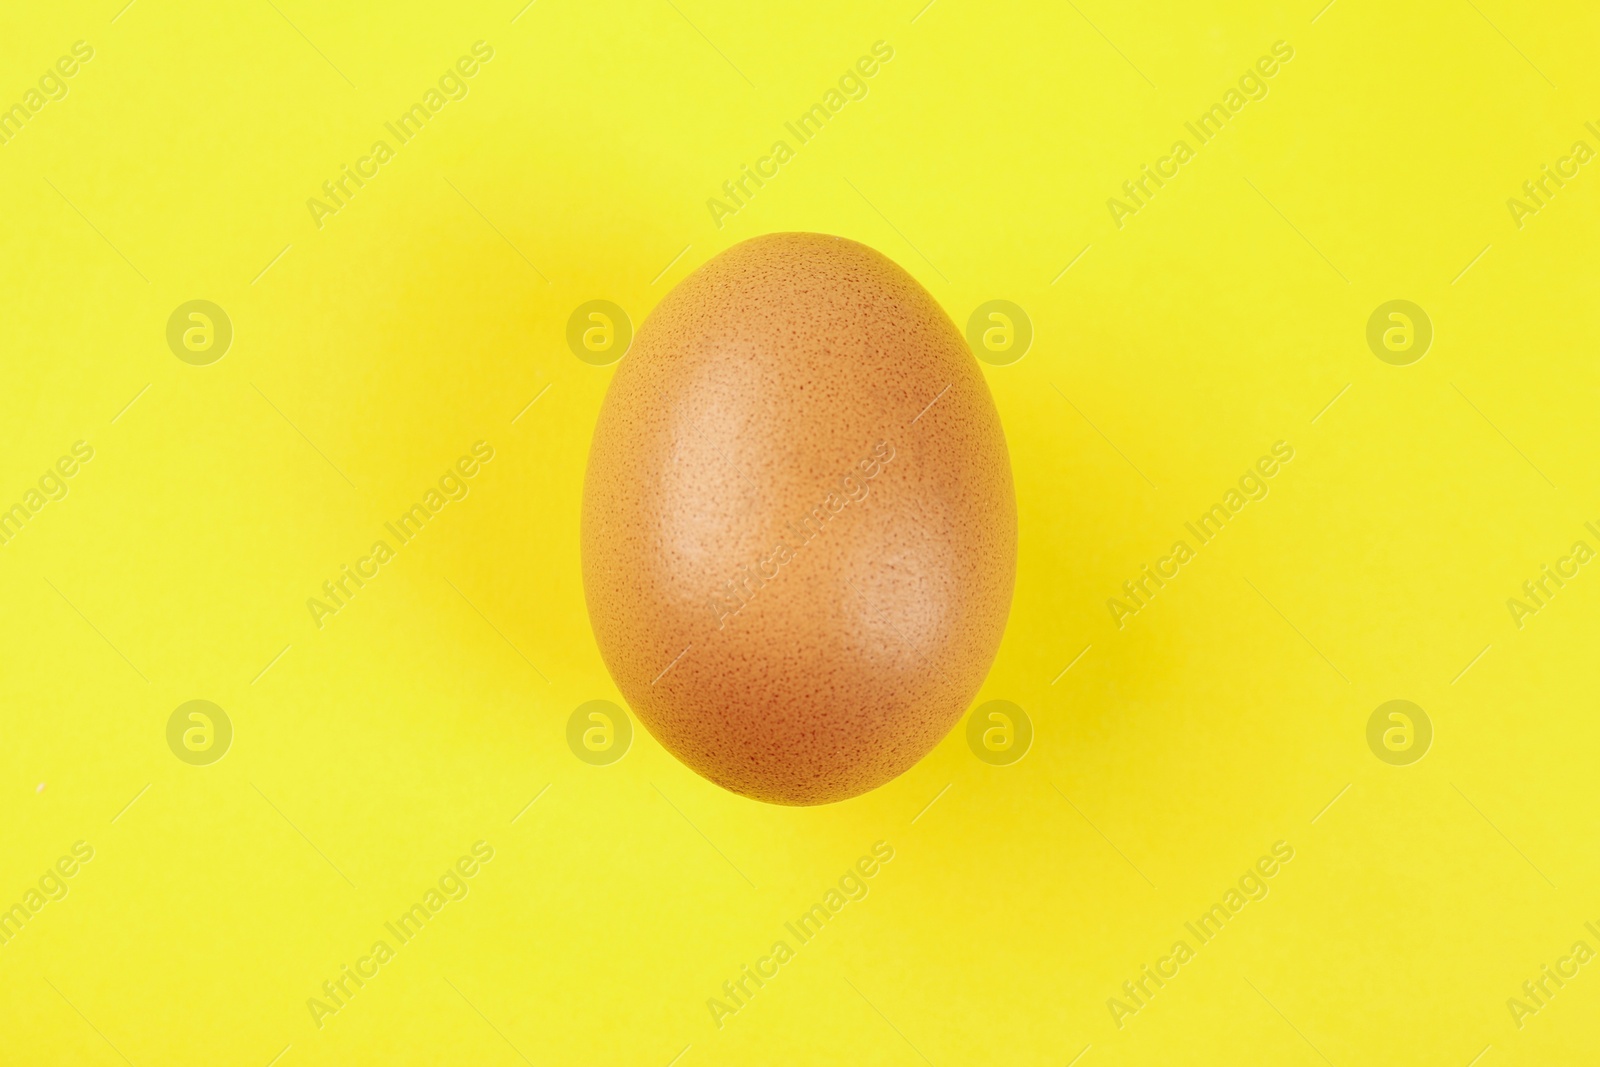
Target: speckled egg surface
column 799, row 532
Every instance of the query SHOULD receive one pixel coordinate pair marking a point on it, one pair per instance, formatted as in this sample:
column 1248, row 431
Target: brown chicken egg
column 799, row 532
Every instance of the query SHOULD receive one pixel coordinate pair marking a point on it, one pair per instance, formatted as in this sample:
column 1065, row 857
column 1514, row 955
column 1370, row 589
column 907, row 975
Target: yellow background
column 430, row 311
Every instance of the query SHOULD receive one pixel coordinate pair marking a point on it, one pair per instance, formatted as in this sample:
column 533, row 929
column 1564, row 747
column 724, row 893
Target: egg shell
column 799, row 529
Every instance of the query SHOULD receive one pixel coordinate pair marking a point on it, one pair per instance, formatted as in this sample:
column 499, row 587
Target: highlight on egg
column 798, row 530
